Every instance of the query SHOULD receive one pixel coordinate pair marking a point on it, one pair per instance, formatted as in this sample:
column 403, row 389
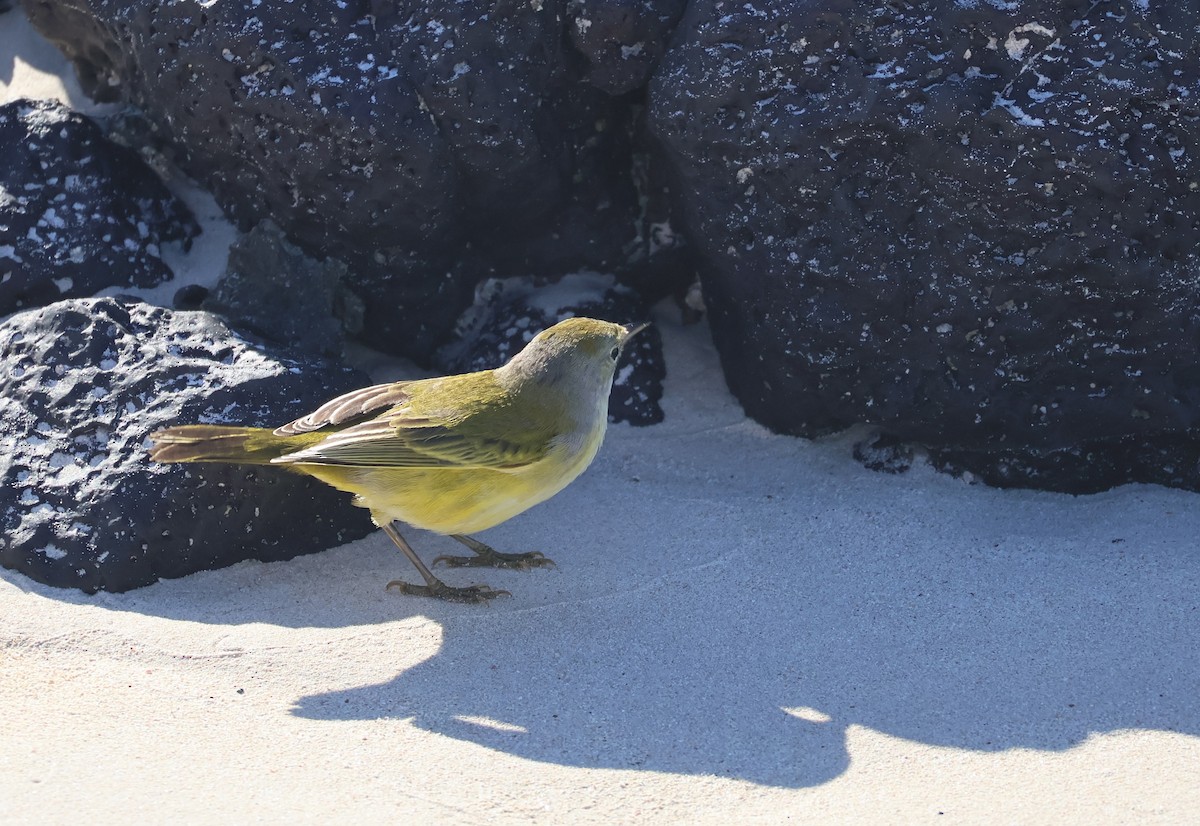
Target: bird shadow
column 983, row 622
column 750, row 632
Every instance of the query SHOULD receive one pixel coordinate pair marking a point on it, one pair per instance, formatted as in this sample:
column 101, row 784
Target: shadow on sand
column 740, row 625
column 1004, row 630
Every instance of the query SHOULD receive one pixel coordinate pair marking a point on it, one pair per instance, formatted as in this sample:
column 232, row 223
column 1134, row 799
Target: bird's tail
column 215, row 443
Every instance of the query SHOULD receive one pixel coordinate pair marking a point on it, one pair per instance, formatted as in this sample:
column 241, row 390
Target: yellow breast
column 462, row 500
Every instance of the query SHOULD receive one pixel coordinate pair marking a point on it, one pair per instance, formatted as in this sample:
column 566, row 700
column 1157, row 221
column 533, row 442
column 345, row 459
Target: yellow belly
column 456, row 500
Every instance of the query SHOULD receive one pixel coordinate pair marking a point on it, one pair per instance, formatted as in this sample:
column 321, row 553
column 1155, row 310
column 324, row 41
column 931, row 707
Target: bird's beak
column 632, row 330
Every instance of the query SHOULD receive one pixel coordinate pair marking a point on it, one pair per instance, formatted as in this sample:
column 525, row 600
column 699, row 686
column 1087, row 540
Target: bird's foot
column 494, row 559
column 471, row 594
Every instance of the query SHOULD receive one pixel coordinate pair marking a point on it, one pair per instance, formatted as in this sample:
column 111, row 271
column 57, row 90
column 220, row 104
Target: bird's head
column 578, row 354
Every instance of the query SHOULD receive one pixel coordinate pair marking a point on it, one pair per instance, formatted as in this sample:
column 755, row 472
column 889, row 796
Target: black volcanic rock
column 190, row 297
column 428, row 145
column 508, row 313
column 883, row 453
column 82, row 385
column 622, row 39
column 272, row 289
column 78, row 213
column 975, row 225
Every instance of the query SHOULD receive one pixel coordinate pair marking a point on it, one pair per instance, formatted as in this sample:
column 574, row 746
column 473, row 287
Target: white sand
column 742, row 628
column 30, row 67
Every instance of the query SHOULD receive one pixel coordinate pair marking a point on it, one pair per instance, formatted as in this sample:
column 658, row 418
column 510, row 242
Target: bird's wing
column 395, row 441
column 349, row 408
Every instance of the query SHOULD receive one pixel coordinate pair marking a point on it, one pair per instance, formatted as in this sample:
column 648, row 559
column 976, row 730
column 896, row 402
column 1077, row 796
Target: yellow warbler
column 453, row 455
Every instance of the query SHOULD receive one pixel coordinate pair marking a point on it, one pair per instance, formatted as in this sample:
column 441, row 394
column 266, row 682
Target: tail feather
column 216, row 443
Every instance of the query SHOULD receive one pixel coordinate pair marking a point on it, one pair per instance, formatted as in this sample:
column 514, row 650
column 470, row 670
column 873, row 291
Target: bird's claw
column 471, row 594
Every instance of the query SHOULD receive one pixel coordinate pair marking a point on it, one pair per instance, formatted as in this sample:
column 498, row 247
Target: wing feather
column 349, row 408
column 389, row 443
column 410, row 425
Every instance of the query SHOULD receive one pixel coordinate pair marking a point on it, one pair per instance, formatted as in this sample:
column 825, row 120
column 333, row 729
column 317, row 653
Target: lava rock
column 1171, row 459
column 884, row 453
column 273, row 290
column 78, row 213
column 509, row 312
column 975, row 225
column 622, row 39
column 82, row 385
column 428, row 145
column 190, row 297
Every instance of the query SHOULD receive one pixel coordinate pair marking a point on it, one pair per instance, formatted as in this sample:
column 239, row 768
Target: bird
column 454, row 455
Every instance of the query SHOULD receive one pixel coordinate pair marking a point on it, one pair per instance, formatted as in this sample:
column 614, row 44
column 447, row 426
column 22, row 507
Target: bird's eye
column 614, row 353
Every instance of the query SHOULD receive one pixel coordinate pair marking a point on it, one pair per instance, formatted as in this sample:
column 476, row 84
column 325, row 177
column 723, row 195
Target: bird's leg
column 433, row 586
column 487, row 557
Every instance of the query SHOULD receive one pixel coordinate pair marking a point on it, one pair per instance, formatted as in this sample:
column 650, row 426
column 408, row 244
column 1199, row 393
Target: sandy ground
column 742, row 627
